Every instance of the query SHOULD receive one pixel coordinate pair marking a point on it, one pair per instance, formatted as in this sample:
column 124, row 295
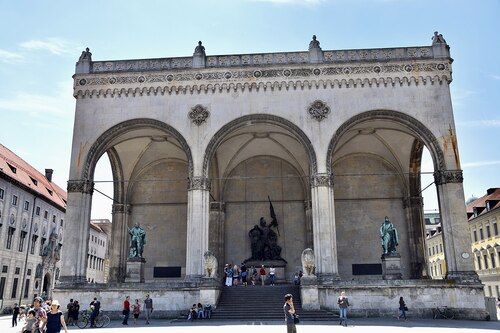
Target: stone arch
column 255, row 119
column 416, row 126
column 100, row 146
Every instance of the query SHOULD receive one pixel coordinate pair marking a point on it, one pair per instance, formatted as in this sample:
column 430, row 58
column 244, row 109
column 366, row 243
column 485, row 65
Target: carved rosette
column 198, row 114
column 448, row 176
column 318, row 110
column 322, row 179
column 81, row 186
column 121, row 209
column 199, row 183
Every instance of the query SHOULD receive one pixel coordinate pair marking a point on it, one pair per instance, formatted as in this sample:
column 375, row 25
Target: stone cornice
column 294, row 76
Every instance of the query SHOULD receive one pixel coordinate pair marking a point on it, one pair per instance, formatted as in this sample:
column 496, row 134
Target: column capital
column 199, row 183
column 81, row 186
column 218, row 205
column 448, row 176
column 322, row 179
column 121, row 208
column 409, row 202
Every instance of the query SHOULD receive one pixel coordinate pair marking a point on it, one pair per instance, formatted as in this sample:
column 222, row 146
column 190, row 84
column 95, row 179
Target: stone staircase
column 262, row 303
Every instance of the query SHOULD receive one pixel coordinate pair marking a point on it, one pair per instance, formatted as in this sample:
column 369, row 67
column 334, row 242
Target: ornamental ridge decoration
column 199, row 183
column 318, row 110
column 442, row 177
column 198, row 114
column 81, row 186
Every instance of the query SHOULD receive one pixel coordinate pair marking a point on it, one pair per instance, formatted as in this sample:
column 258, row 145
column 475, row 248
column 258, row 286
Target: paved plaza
column 369, row 325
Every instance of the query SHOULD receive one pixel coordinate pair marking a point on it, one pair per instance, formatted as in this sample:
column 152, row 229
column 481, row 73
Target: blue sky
column 40, row 42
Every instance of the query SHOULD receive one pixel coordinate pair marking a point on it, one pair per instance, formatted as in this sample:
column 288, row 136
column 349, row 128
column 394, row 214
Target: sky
column 40, row 42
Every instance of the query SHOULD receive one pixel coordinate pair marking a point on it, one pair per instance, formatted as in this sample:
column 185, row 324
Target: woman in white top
column 272, row 275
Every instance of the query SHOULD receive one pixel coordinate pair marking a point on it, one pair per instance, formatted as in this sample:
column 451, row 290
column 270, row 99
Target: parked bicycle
column 102, row 319
column 443, row 312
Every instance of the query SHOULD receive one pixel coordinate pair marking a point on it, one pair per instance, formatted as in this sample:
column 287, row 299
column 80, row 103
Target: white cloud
column 55, row 46
column 6, row 56
column 480, row 123
column 479, row 164
column 61, row 103
column 496, row 77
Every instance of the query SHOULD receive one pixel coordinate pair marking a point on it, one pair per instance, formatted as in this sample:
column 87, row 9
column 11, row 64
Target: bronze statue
column 388, row 237
column 137, row 241
column 264, row 241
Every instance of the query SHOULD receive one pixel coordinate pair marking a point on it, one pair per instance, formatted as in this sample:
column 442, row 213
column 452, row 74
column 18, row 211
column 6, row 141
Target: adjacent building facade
column 484, row 216
column 333, row 138
column 97, row 258
column 32, row 218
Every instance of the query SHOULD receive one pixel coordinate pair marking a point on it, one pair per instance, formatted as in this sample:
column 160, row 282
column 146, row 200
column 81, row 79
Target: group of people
column 198, row 311
column 42, row 316
column 135, row 309
column 241, row 275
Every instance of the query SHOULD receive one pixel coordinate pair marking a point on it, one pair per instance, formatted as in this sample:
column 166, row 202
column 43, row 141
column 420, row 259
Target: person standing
column 262, row 273
column 498, row 308
column 75, row 312
column 243, row 274
column 272, row 275
column 15, row 314
column 95, row 305
column 126, row 310
column 402, row 308
column 69, row 313
column 289, row 311
column 55, row 319
column 136, row 310
column 40, row 314
column 148, row 308
column 343, row 303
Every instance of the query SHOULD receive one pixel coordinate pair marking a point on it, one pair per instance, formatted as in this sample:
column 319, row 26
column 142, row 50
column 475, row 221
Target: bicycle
column 102, row 320
column 443, row 312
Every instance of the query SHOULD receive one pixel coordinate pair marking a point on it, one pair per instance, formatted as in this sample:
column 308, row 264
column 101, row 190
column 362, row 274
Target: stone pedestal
column 309, row 293
column 135, row 270
column 391, row 266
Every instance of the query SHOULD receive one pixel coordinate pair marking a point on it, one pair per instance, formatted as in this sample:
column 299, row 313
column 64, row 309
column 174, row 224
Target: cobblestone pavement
column 370, row 325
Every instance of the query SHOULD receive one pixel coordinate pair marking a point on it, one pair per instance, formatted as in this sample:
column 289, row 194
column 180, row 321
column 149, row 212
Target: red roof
column 492, row 198
column 16, row 168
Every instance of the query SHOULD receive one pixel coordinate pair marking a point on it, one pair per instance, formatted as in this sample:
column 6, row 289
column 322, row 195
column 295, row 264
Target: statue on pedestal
column 388, row 237
column 137, row 241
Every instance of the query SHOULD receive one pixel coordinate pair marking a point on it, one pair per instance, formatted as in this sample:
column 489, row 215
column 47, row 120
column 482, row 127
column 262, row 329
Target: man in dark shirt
column 96, row 306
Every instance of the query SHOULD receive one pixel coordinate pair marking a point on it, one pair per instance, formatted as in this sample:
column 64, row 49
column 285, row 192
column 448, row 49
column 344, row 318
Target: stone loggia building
column 333, row 137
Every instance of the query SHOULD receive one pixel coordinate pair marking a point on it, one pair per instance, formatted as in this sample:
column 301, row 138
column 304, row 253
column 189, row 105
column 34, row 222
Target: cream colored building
column 97, row 259
column 484, row 216
column 333, row 137
column 32, row 218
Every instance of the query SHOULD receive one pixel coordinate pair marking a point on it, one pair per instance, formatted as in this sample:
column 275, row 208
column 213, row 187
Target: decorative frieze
column 318, row 110
column 321, row 179
column 198, row 114
column 82, row 186
column 217, row 206
column 199, row 183
column 448, row 176
column 121, row 209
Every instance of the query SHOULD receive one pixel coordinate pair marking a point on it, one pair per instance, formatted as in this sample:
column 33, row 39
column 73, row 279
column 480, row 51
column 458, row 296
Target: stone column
column 118, row 242
column 324, row 234
column 76, row 232
column 216, row 232
column 197, row 225
column 416, row 236
column 459, row 261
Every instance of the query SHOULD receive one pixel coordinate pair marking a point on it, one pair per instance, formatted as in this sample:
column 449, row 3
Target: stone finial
column 315, row 52
column 438, row 38
column 83, row 64
column 199, row 56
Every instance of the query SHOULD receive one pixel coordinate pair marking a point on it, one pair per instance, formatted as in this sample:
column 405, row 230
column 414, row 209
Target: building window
column 441, row 248
column 26, row 205
column 10, row 234
column 37, row 211
column 495, row 228
column 61, row 223
column 475, row 235
column 433, row 250
column 29, row 272
column 14, row 200
column 493, row 263
column 2, row 193
column 488, row 232
column 485, row 257
column 17, row 270
column 42, row 243
column 21, row 241
column 46, row 215
column 54, row 218
column 481, row 235
column 33, row 244
column 26, row 288
column 2, row 286
column 5, row 269
column 14, row 288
